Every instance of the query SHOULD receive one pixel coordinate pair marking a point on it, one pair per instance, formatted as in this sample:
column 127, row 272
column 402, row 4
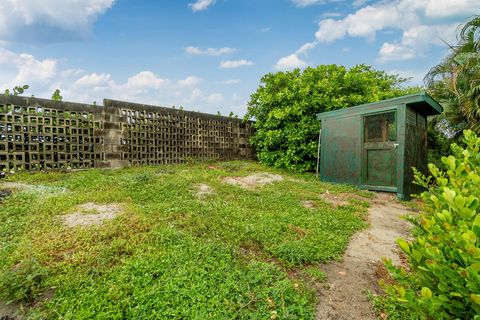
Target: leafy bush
column 286, row 103
column 444, row 258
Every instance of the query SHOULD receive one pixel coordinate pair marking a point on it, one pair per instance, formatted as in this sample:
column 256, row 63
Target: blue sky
column 209, row 55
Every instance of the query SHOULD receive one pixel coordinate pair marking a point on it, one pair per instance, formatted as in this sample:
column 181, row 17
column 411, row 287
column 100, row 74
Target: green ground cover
column 235, row 254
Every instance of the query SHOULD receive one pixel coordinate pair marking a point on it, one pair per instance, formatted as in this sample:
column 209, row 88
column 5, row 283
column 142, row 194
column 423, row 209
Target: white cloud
column 20, row 69
column 449, row 8
column 33, row 19
column 290, row 62
column 359, row 3
column 144, row 81
column 216, row 98
column 306, row 47
column 46, row 75
column 306, row 3
column 209, row 51
column 230, row 81
column 332, row 14
column 423, row 24
column 200, row 5
column 416, row 41
column 190, row 81
column 232, row 64
column 94, row 80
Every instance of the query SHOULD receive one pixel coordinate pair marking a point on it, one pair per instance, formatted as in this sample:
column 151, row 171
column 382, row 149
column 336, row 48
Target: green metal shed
column 375, row 145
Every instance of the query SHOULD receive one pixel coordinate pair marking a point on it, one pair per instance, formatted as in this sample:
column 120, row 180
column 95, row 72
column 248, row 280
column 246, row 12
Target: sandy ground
column 9, row 312
column 204, row 190
column 344, row 296
column 254, row 180
column 89, row 214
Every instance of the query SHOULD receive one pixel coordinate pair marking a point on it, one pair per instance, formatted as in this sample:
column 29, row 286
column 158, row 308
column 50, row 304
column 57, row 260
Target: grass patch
column 171, row 254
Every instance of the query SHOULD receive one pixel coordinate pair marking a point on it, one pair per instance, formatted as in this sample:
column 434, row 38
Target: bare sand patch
column 42, row 190
column 254, row 180
column 309, row 204
column 345, row 296
column 16, row 185
column 204, row 190
column 89, row 214
column 340, row 199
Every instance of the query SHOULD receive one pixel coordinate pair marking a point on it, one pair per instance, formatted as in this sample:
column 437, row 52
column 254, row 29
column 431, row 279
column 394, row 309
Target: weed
column 169, row 255
column 23, row 282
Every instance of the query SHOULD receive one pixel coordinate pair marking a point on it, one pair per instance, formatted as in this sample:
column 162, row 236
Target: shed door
column 380, row 150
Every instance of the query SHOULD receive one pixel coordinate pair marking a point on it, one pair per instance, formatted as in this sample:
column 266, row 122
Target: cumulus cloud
column 94, row 80
column 449, row 8
column 209, row 51
column 20, row 69
column 38, row 20
column 423, row 24
column 200, row 5
column 190, row 81
column 232, row 64
column 44, row 75
column 417, row 40
column 290, row 62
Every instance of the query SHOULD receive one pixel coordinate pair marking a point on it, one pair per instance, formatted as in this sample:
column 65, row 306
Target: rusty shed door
column 380, row 151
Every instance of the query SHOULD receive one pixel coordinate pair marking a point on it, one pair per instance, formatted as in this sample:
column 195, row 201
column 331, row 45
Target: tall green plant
column 56, row 95
column 443, row 280
column 455, row 81
column 286, row 103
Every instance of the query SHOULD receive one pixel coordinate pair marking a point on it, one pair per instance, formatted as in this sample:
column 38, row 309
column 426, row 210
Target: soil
column 340, row 199
column 344, row 297
column 10, row 311
column 44, row 190
column 254, row 180
column 203, row 191
column 89, row 214
column 308, row 204
column 16, row 185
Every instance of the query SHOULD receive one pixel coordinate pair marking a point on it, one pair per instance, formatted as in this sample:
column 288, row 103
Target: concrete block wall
column 41, row 134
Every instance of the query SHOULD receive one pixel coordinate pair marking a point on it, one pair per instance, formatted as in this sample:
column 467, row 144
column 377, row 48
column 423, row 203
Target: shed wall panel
column 415, row 151
column 341, row 150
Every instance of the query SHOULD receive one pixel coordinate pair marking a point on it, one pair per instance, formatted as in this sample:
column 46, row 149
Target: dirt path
column 345, row 296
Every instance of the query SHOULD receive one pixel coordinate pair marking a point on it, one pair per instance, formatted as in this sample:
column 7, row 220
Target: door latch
column 395, row 145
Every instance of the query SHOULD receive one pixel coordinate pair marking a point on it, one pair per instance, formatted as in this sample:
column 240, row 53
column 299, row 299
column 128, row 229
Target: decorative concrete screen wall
column 39, row 134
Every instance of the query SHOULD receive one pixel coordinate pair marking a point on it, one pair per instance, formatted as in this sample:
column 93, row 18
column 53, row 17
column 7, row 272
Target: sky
column 209, row 55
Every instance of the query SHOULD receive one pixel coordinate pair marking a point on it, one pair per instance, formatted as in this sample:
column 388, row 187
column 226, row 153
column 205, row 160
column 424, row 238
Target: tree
column 455, row 81
column 285, row 105
column 56, row 96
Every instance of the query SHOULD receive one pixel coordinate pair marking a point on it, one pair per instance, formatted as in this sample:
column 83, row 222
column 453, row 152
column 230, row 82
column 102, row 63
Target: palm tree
column 455, row 81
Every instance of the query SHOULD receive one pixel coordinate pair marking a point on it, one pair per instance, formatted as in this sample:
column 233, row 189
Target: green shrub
column 286, row 103
column 444, row 258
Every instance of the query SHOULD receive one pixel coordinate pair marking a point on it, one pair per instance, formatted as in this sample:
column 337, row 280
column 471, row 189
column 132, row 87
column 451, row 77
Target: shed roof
column 422, row 103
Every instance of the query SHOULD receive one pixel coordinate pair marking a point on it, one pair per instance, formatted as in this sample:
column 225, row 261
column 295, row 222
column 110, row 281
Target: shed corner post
column 318, row 149
column 401, row 126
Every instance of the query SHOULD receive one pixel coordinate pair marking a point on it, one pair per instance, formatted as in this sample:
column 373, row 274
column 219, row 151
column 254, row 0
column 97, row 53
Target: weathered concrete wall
column 40, row 134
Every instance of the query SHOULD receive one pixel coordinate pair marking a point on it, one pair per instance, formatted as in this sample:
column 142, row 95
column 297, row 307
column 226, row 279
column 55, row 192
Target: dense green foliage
column 443, row 280
column 455, row 83
column 235, row 254
column 286, row 103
